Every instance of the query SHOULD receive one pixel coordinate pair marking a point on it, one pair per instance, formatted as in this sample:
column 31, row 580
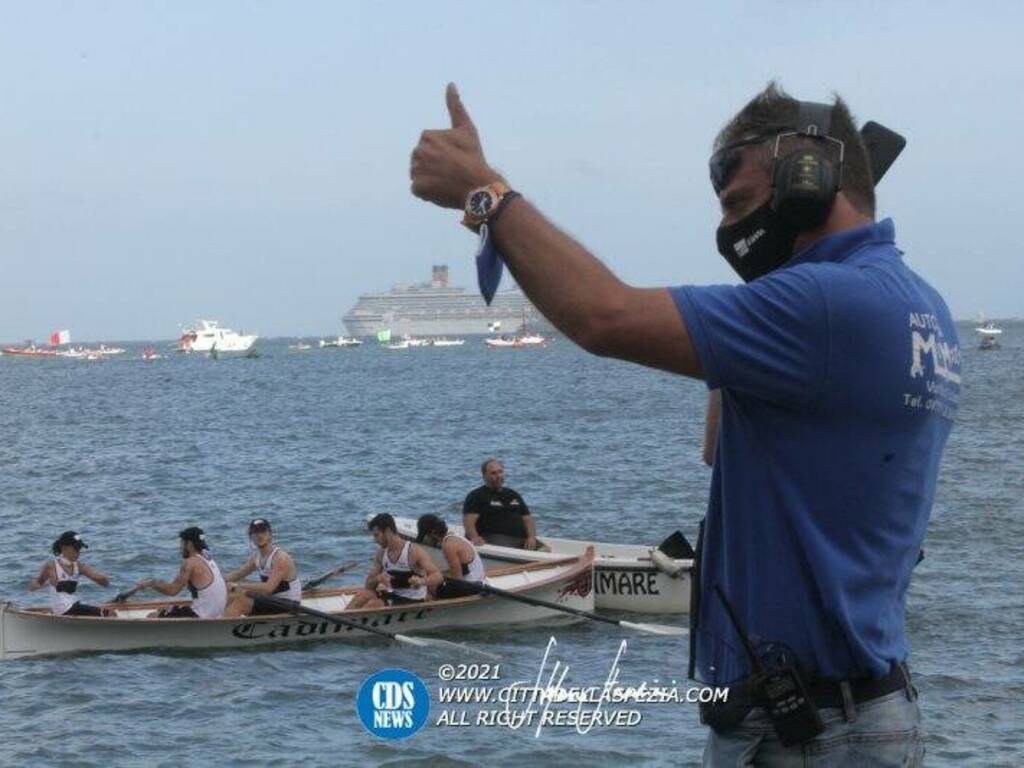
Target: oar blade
column 665, row 630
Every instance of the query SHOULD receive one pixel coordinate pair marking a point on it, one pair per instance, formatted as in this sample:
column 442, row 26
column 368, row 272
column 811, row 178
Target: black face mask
column 758, row 243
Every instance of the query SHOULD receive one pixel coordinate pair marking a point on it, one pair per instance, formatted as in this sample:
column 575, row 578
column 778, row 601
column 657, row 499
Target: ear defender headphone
column 805, row 182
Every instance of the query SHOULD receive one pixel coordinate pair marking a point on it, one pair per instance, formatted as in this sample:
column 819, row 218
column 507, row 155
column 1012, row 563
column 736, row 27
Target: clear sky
column 248, row 161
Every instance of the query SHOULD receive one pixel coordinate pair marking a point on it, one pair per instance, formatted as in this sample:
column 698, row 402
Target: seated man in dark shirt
column 494, row 514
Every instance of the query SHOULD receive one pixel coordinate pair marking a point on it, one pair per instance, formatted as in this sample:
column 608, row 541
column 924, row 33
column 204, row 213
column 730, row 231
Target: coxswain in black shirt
column 494, row 514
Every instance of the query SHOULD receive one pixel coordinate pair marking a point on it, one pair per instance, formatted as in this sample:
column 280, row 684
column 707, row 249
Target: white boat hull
column 340, row 342
column 226, row 345
column 36, row 632
column 625, row 576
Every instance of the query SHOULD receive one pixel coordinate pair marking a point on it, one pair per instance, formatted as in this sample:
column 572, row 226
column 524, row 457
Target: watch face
column 480, row 203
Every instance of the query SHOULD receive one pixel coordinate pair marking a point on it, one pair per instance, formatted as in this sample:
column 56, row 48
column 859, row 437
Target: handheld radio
column 788, row 703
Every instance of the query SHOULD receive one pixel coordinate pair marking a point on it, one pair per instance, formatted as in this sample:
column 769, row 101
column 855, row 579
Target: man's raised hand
column 447, row 164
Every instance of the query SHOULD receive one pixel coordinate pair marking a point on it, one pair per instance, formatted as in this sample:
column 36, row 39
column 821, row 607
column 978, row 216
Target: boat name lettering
column 627, row 583
column 260, row 630
column 580, row 586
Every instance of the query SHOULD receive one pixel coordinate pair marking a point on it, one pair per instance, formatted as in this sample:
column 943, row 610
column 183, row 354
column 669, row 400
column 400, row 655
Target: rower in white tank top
column 474, row 569
column 291, row 590
column 62, row 596
column 209, row 602
column 399, row 571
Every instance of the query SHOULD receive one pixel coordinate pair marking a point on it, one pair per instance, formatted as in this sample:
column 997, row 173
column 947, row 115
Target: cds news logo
column 393, row 704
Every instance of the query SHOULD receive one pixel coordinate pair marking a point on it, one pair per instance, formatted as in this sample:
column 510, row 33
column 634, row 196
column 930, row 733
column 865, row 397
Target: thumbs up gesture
column 447, row 164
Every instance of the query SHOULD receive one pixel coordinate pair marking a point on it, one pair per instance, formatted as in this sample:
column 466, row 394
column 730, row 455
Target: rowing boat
column 28, row 632
column 627, row 577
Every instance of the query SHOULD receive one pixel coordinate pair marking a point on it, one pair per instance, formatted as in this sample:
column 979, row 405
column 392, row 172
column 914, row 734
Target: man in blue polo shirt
column 839, row 375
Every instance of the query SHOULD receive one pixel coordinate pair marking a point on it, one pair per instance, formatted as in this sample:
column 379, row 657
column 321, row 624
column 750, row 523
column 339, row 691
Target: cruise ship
column 439, row 309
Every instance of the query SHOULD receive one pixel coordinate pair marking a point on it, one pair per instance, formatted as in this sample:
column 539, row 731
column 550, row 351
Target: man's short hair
column 774, row 111
column 383, row 522
column 483, row 467
column 430, row 524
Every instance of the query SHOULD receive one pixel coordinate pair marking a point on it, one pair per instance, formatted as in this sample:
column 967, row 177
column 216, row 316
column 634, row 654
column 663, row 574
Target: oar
column 294, row 607
column 314, row 583
column 653, row 629
column 120, row 597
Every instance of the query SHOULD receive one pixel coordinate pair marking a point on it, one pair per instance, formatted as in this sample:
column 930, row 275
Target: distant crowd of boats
column 209, row 338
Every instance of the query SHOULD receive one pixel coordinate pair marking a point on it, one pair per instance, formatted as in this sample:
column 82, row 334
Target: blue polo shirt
column 840, row 378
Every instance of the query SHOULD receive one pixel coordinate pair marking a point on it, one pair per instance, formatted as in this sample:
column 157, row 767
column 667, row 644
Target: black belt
column 827, row 694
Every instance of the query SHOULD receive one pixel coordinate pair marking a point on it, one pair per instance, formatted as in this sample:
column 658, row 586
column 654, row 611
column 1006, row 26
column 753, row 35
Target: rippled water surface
column 128, row 452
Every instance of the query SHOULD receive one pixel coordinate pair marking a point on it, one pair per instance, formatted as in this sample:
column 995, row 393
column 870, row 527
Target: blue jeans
column 884, row 732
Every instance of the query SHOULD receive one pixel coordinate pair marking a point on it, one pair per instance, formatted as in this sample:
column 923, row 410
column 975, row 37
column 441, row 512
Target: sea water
column 128, row 452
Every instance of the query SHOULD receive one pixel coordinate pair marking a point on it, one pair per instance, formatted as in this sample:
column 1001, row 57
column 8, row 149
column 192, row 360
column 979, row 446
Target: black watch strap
column 507, row 198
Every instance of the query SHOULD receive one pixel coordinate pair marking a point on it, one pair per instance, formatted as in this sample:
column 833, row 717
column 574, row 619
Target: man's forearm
column 469, row 525
column 165, row 588
column 567, row 283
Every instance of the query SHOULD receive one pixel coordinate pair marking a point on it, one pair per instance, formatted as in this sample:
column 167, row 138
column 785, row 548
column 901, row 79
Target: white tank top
column 60, row 601
column 474, row 571
column 210, row 601
column 402, row 567
column 291, row 592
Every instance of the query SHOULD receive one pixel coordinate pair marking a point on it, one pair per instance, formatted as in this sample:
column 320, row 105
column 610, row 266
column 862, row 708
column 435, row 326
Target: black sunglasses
column 727, row 161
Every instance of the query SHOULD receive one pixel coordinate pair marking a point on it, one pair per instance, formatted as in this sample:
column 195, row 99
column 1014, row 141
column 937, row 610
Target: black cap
column 428, row 524
column 195, row 535
column 71, row 539
column 259, row 524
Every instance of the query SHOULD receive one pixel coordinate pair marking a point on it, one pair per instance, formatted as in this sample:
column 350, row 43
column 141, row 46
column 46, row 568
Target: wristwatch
column 482, row 202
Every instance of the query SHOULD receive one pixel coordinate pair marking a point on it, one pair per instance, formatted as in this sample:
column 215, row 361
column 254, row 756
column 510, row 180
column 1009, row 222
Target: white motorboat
column 988, row 335
column 568, row 582
column 299, row 346
column 340, row 342
column 209, row 337
column 443, row 342
column 75, row 353
column 503, row 341
column 627, row 577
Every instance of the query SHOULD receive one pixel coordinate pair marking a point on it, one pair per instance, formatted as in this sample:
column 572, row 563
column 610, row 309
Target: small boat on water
column 443, row 342
column 150, row 353
column 28, row 632
column 341, row 342
column 627, row 577
column 299, row 346
column 57, row 339
column 988, row 335
column 209, row 337
column 30, row 350
column 503, row 341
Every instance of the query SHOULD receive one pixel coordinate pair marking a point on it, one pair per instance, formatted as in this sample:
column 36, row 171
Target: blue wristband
column 489, row 265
